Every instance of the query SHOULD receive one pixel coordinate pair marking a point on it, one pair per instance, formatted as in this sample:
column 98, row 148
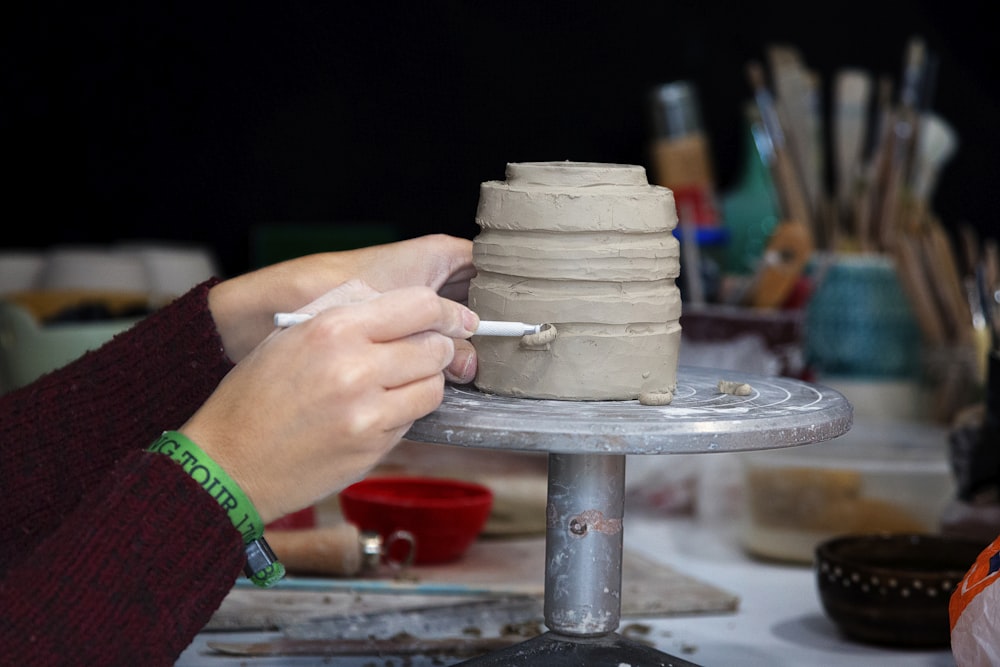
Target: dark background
column 199, row 121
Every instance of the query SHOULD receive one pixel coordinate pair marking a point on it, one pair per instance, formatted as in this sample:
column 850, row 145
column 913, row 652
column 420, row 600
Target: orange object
column 983, row 572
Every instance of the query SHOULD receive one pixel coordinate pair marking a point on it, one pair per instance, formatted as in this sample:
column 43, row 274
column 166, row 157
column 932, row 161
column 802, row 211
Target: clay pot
column 588, row 248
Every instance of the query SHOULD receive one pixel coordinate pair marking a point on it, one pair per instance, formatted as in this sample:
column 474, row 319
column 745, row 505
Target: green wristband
column 214, row 480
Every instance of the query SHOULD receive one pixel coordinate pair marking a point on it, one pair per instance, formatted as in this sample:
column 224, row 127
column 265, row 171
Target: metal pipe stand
column 586, row 444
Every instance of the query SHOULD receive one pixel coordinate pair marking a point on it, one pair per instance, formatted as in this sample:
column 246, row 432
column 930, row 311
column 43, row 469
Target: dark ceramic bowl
column 444, row 516
column 893, row 589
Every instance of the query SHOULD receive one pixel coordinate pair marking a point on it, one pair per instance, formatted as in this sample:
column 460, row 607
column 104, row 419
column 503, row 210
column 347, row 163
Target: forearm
column 61, row 434
column 130, row 576
column 244, row 306
column 158, row 371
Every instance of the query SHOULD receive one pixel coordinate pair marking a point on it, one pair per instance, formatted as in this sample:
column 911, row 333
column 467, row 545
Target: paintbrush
column 904, row 140
column 990, row 270
column 792, row 241
column 852, row 91
column 798, row 104
column 869, row 202
column 937, row 142
column 795, row 206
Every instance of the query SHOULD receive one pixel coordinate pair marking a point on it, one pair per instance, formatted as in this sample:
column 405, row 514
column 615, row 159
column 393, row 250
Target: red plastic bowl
column 445, row 516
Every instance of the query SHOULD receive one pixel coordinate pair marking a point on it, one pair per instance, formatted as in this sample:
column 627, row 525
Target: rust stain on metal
column 589, row 520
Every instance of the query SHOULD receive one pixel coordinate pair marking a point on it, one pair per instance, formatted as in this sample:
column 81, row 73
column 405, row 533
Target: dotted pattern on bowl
column 883, row 586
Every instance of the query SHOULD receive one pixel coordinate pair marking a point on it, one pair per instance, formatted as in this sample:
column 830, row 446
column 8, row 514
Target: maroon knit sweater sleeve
column 112, row 555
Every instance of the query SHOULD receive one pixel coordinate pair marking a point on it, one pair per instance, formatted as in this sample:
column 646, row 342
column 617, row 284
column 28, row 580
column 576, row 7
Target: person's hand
column 244, row 306
column 315, row 406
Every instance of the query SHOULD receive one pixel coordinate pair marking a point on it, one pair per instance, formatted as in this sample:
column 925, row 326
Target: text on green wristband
column 208, row 474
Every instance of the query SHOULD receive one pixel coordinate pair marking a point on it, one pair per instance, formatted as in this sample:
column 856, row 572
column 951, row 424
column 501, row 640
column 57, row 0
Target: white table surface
column 779, row 621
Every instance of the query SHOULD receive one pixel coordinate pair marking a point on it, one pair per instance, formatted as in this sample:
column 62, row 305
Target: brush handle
column 793, row 199
column 852, row 92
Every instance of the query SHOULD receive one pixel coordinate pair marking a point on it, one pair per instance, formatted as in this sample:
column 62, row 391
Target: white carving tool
column 485, row 328
column 285, row 320
column 492, row 328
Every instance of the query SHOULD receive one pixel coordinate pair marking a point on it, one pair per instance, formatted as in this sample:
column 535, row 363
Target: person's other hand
column 315, row 406
column 244, row 306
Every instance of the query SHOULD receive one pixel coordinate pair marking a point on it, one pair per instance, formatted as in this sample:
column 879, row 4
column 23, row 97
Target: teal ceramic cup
column 859, row 321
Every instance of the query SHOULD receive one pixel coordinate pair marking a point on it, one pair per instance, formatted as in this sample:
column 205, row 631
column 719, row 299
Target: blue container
column 859, row 321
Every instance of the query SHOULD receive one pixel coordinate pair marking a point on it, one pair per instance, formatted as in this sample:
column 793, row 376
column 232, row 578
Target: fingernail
column 465, row 358
column 470, row 321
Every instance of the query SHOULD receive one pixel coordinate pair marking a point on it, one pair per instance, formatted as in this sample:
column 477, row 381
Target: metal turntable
column 587, row 443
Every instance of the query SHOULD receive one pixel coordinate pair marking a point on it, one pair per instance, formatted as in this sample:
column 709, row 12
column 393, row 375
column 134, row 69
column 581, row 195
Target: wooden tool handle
column 914, row 282
column 327, row 550
column 784, row 261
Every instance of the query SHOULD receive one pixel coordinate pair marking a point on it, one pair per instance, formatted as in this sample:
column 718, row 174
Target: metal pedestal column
column 583, row 544
column 583, row 572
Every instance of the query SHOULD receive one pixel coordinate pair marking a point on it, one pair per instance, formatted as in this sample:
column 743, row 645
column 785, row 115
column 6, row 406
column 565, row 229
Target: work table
column 779, row 621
